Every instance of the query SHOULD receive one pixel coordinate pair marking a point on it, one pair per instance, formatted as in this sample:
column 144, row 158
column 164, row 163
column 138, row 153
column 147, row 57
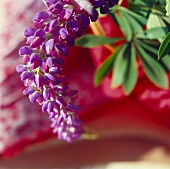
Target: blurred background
column 131, row 131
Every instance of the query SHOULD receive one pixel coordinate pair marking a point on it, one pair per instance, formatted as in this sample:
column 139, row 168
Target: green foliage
column 119, row 67
column 131, row 75
column 164, row 47
column 154, row 71
column 160, row 33
column 139, row 42
column 129, row 22
column 105, row 68
column 89, row 40
column 167, row 7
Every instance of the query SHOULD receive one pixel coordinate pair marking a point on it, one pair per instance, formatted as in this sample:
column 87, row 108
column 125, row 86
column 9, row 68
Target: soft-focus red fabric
column 23, row 123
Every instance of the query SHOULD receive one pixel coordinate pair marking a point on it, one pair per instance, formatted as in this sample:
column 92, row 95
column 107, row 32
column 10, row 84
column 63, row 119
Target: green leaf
column 164, row 47
column 119, row 67
column 155, row 20
column 167, row 7
column 166, row 62
column 124, row 26
column 154, row 71
column 149, row 3
column 152, row 48
column 154, row 33
column 134, row 24
column 131, row 75
column 153, row 51
column 122, row 22
column 141, row 19
column 166, row 19
column 141, row 9
column 105, row 68
column 89, row 41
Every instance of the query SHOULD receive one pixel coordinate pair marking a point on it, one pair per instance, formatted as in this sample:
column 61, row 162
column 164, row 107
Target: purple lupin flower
column 41, row 72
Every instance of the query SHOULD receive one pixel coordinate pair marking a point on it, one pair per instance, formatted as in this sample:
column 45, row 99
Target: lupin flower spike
column 55, row 29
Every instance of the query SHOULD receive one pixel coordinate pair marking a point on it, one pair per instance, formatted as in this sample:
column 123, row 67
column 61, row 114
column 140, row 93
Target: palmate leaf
column 154, row 71
column 164, row 47
column 130, row 23
column 106, row 66
column 131, row 75
column 89, row 41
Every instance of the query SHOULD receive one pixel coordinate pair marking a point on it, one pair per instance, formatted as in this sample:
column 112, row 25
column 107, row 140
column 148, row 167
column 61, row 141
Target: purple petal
column 25, row 50
column 28, row 91
column 74, row 25
column 44, row 67
column 61, row 101
column 49, row 62
column 69, row 12
column 63, row 33
column 39, row 82
column 29, row 32
column 62, row 48
column 51, row 1
column 63, row 113
column 39, row 32
column 57, row 8
column 44, row 106
column 79, row 32
column 94, row 15
column 54, row 70
column 26, row 59
column 57, row 107
column 21, row 68
column 104, row 8
column 112, row 2
column 40, row 100
column 70, row 40
column 60, row 119
column 50, row 106
column 34, row 58
column 85, row 20
column 52, row 115
column 48, row 46
column 69, row 120
column 26, row 75
column 36, row 42
column 46, row 94
column 53, row 26
column 49, row 76
column 58, row 60
column 41, row 15
column 34, row 96
column 98, row 3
